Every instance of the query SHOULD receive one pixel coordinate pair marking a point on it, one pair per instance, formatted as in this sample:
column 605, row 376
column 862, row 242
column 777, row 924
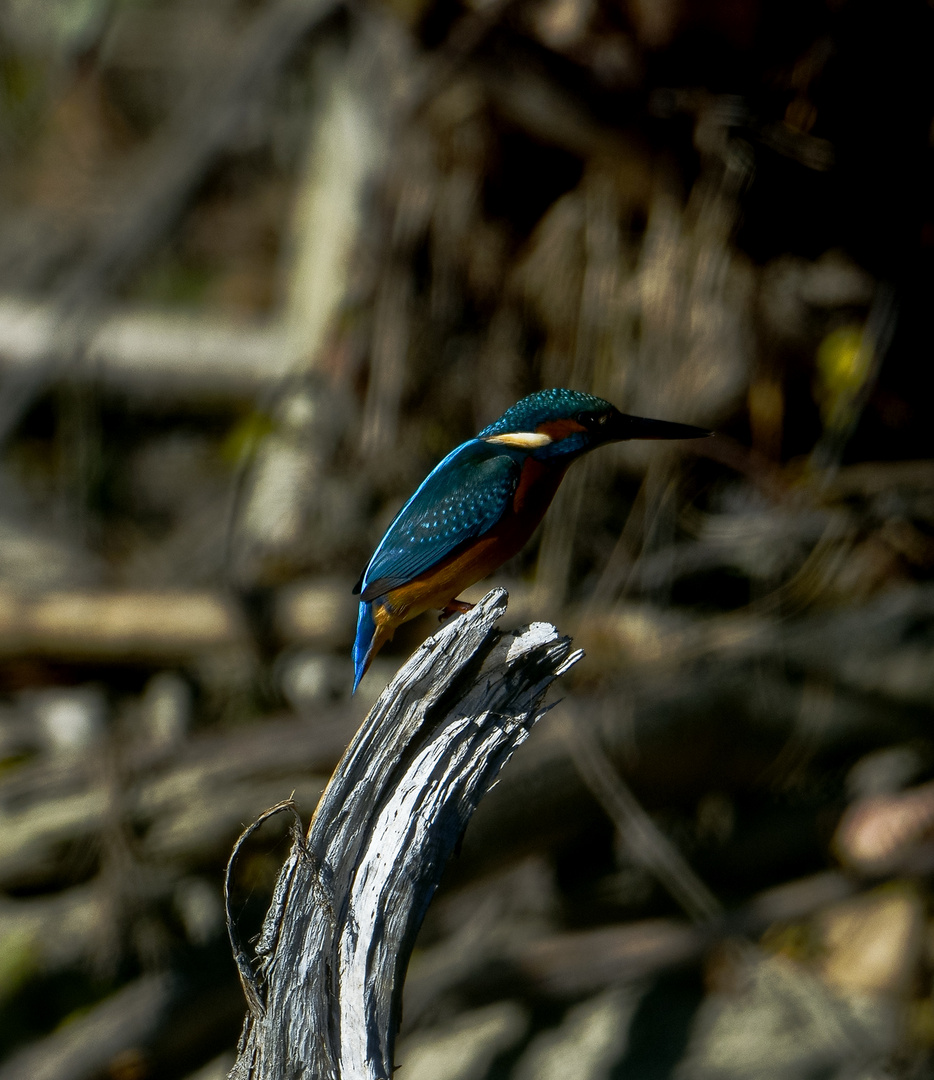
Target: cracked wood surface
column 351, row 896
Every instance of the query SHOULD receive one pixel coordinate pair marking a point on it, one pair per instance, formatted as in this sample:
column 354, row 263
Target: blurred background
column 262, row 264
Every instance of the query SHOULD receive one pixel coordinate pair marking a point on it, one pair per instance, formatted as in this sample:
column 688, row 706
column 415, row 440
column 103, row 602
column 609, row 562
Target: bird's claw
column 454, row 607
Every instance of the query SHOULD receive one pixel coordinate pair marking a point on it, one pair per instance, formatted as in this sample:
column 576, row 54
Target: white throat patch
column 521, row 440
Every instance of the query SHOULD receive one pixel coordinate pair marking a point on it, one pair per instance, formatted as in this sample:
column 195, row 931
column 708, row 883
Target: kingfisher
column 480, row 505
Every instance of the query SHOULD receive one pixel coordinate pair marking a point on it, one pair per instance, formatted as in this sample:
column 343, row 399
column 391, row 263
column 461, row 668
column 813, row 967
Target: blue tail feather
column 363, row 643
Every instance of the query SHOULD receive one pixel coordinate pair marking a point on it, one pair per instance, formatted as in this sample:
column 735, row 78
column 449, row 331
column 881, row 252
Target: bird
column 480, row 505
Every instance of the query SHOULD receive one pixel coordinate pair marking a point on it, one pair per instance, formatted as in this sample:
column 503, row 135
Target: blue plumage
column 472, row 490
column 366, row 628
column 467, row 492
column 542, row 407
column 461, row 498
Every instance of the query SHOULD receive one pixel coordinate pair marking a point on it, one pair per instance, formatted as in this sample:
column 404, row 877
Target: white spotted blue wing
column 463, row 497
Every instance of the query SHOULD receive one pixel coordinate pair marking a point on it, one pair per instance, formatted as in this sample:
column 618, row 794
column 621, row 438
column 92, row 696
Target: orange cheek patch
column 560, row 429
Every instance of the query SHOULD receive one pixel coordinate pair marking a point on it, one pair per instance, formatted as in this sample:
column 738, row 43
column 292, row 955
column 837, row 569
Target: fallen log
column 150, row 353
column 160, row 626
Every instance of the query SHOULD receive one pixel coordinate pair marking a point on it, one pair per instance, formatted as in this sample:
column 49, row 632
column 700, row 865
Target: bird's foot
column 454, row 607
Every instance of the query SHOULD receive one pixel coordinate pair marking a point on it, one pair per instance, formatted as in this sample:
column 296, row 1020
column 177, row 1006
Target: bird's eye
column 592, row 419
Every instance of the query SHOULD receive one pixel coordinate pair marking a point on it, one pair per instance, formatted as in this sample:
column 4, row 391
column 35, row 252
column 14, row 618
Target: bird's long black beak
column 621, row 427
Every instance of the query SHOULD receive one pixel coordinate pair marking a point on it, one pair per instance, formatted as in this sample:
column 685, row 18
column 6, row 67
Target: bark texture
column 352, row 894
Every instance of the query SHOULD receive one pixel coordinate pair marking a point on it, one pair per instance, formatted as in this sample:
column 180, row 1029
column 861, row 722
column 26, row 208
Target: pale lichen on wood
column 333, row 952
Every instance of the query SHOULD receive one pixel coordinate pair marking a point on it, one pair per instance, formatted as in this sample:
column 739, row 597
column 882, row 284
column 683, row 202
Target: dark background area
column 261, row 266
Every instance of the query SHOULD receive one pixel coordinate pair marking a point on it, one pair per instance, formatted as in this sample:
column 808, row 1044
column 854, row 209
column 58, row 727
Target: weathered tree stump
column 324, row 1002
